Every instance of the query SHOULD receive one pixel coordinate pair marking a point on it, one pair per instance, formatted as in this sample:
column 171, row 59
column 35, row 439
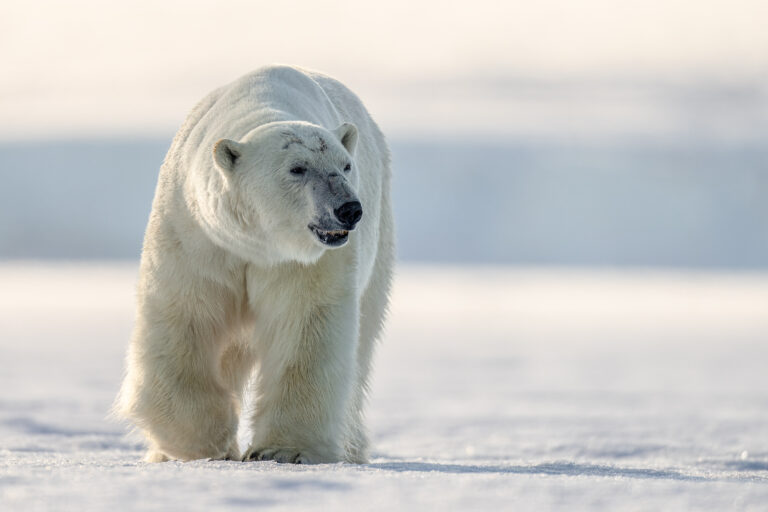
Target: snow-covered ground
column 496, row 388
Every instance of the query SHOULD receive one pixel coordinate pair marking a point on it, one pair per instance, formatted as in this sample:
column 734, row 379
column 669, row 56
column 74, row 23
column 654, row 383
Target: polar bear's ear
column 347, row 134
column 227, row 154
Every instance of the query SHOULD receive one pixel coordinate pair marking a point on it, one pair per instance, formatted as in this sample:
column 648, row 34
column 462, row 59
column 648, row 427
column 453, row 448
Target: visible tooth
column 336, row 232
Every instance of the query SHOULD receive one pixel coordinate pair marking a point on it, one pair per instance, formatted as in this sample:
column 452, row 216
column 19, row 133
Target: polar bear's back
column 350, row 108
column 268, row 94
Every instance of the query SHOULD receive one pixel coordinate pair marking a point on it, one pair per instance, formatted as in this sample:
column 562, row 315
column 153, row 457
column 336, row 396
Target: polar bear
column 269, row 252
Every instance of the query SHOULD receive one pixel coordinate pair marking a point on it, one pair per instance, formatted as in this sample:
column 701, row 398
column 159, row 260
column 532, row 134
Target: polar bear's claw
column 288, row 455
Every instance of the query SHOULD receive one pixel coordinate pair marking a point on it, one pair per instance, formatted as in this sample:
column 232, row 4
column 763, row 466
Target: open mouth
column 333, row 238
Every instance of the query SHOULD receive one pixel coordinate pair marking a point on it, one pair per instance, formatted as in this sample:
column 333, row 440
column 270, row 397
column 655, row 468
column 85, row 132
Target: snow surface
column 496, row 388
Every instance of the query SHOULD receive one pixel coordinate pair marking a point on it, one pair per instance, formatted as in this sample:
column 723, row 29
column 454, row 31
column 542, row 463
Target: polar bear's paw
column 290, row 455
column 154, row 455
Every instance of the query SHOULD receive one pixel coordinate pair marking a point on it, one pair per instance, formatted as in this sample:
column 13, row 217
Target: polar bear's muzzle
column 337, row 231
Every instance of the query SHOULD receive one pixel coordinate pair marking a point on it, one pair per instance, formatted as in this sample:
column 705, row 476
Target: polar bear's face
column 291, row 189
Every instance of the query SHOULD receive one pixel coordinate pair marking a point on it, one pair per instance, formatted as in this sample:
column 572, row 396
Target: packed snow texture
column 495, row 389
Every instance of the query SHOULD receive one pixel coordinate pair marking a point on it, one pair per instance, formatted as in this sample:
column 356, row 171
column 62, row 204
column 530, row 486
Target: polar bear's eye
column 298, row 170
column 347, row 167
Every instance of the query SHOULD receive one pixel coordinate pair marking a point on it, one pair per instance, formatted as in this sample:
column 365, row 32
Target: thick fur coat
column 268, row 253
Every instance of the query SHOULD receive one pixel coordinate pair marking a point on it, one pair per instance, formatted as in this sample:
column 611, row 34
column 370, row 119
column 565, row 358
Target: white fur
column 233, row 281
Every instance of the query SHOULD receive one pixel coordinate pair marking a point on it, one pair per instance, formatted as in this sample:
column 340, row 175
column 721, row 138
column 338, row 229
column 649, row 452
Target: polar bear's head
column 290, row 190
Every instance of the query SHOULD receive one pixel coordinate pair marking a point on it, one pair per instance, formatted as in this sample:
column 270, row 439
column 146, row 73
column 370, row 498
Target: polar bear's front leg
column 173, row 390
column 305, row 375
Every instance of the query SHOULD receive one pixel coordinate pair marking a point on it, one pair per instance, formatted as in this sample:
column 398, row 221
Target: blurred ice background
column 551, row 132
column 580, row 314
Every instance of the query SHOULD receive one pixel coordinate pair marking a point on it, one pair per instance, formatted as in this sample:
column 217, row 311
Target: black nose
column 349, row 213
